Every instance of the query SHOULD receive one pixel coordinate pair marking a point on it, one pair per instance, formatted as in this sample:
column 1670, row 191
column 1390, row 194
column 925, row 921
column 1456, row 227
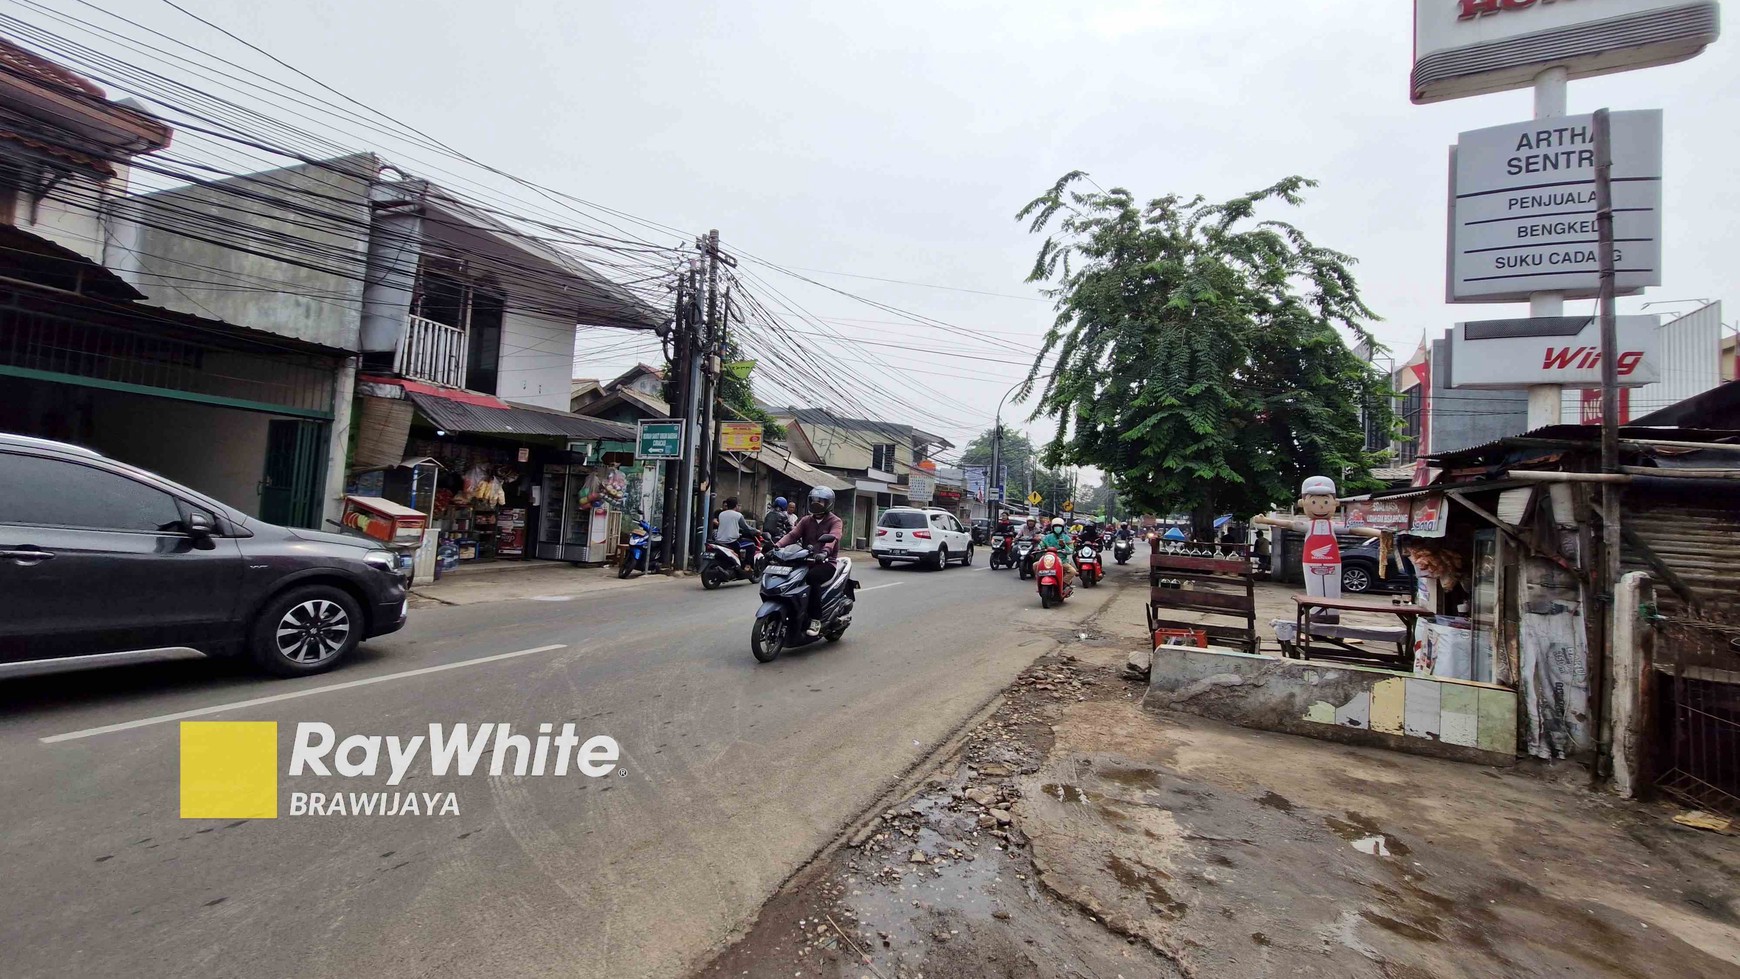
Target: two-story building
column 88, row 356
column 875, row 457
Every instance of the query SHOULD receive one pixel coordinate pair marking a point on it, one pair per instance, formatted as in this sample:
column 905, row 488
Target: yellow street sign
column 1034, row 498
column 1069, row 506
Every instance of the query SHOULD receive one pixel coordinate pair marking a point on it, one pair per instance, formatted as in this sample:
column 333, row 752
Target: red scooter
column 1053, row 588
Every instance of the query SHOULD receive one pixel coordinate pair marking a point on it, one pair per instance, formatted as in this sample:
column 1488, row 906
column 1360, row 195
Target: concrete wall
column 297, row 271
column 1453, row 719
column 537, row 357
column 1461, row 419
column 72, row 214
column 850, row 448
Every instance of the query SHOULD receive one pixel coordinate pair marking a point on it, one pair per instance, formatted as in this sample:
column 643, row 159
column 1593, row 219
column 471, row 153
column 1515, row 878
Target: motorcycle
column 1087, row 563
column 1024, row 555
column 785, row 602
column 1053, row 589
column 1124, row 549
column 642, row 551
column 1000, row 557
column 740, row 561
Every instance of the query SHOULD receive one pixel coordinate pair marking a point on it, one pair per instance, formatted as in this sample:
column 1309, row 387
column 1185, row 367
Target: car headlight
column 384, row 560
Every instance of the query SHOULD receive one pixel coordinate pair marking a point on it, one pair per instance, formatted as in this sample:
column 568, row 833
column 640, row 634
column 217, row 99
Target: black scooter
column 1026, row 551
column 785, row 601
column 1123, row 549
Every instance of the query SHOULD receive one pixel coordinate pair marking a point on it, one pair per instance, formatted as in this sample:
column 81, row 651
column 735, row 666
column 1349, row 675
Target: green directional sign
column 660, row 438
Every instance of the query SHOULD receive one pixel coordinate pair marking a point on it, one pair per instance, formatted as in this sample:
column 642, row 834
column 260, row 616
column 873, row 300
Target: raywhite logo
column 452, row 750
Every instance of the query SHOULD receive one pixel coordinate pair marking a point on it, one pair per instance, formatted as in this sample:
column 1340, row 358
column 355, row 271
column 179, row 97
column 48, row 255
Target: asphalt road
column 733, row 774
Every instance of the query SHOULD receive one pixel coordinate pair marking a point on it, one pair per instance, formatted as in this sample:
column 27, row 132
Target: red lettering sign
column 1480, row 8
column 1587, row 358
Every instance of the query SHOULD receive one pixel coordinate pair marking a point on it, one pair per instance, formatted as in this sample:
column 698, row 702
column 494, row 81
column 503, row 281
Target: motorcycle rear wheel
column 767, row 638
column 712, row 577
column 834, row 632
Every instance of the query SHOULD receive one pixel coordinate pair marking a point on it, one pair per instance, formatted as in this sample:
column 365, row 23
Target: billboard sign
column 1563, row 350
column 1474, row 47
column 921, row 487
column 659, row 438
column 1522, row 209
column 740, row 436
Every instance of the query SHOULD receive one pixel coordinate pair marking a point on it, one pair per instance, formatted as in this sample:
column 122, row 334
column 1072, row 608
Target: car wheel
column 941, row 559
column 967, row 559
column 886, row 564
column 306, row 630
column 1355, row 579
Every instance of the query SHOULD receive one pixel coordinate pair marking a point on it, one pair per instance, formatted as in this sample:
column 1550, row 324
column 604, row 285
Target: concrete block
column 1321, row 712
column 1497, row 721
column 1356, row 712
column 1387, row 700
column 1421, row 717
column 1459, row 718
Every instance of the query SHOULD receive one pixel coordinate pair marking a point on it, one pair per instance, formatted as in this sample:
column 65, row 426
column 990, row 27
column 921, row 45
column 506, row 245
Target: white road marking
column 275, row 698
column 891, row 584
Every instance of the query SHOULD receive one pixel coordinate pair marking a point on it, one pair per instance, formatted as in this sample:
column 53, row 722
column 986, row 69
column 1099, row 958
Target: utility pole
column 1608, row 579
column 691, row 386
column 711, row 350
column 680, row 381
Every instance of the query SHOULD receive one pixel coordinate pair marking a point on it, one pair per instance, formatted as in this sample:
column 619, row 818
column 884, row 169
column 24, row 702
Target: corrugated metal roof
column 456, row 416
column 779, row 459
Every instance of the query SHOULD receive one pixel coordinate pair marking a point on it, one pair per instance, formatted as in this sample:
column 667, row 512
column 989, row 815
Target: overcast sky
column 897, row 139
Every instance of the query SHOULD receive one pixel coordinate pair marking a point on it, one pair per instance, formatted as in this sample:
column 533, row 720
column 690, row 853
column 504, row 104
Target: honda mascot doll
column 1320, row 556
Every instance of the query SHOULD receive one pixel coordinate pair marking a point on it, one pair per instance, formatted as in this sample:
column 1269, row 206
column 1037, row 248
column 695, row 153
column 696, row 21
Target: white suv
column 933, row 537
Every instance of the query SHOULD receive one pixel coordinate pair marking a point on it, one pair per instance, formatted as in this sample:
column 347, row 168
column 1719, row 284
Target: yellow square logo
column 229, row 769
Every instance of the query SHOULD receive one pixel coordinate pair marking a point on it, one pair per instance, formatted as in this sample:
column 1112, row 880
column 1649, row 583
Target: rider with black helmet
column 818, row 523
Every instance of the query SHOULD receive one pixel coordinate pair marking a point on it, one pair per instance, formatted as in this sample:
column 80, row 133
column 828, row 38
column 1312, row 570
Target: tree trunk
column 1202, row 523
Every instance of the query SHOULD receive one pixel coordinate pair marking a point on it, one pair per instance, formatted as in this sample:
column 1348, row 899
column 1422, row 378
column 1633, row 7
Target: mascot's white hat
column 1318, row 485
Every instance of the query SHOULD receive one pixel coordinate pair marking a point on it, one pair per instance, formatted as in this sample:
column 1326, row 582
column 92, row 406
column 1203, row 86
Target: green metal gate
column 295, row 471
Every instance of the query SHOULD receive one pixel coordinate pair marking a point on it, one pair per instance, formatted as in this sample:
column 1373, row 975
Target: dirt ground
column 1075, row 834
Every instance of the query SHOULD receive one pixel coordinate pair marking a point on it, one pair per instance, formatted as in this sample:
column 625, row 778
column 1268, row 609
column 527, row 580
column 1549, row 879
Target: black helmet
column 821, row 500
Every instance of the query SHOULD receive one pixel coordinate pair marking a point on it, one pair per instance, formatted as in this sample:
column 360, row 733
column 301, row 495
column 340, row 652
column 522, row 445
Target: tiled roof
column 34, row 66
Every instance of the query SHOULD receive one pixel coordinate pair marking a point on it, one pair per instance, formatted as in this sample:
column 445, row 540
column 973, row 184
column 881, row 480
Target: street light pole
column 996, row 477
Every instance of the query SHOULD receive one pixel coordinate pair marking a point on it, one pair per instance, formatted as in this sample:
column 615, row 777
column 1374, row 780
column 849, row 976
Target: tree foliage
column 1197, row 359
column 1019, row 454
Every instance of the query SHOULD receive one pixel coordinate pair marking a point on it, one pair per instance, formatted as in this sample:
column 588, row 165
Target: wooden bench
column 1219, row 586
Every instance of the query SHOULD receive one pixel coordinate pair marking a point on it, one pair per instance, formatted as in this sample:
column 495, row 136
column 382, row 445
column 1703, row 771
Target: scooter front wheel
column 767, row 638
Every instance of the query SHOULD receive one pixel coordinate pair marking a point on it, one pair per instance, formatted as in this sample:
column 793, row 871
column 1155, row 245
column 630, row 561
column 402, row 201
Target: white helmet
column 1317, row 485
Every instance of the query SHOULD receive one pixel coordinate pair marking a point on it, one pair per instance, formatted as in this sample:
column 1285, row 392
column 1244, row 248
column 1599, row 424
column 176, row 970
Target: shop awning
column 472, row 415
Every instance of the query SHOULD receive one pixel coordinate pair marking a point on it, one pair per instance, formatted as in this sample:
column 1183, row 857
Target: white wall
column 72, row 214
column 537, row 357
column 220, row 452
column 1691, row 355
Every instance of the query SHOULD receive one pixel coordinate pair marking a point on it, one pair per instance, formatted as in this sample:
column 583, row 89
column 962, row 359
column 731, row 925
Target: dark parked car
column 97, row 556
column 1359, row 569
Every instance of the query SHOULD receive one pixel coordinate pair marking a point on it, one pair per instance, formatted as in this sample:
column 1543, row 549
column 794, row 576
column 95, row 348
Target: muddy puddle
column 1363, row 834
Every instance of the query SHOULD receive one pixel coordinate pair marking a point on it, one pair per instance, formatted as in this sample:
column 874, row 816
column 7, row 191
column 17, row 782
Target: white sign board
column 1472, row 47
column 920, row 488
column 1522, row 209
column 1563, row 350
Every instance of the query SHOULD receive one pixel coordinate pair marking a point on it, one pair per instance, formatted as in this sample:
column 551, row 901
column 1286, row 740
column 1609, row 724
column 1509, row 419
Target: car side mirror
column 200, row 528
column 828, row 539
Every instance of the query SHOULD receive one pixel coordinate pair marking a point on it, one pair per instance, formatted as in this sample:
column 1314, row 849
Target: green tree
column 1019, row 454
column 1196, row 358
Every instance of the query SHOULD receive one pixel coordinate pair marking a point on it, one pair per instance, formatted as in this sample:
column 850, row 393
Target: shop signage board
column 740, row 436
column 1393, row 515
column 1474, row 47
column 659, row 438
column 1429, row 515
column 1522, row 209
column 921, row 488
column 1562, row 350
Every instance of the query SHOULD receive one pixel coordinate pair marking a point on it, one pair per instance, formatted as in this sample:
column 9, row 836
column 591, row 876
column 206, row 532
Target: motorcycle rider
column 1058, row 537
column 777, row 523
column 819, row 522
column 1005, row 528
column 1124, row 531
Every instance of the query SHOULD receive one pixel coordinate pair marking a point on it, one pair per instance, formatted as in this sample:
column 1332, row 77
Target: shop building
column 877, row 458
column 92, row 355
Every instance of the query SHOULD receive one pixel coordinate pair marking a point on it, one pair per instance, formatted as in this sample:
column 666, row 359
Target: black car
column 1359, row 569
column 97, row 556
